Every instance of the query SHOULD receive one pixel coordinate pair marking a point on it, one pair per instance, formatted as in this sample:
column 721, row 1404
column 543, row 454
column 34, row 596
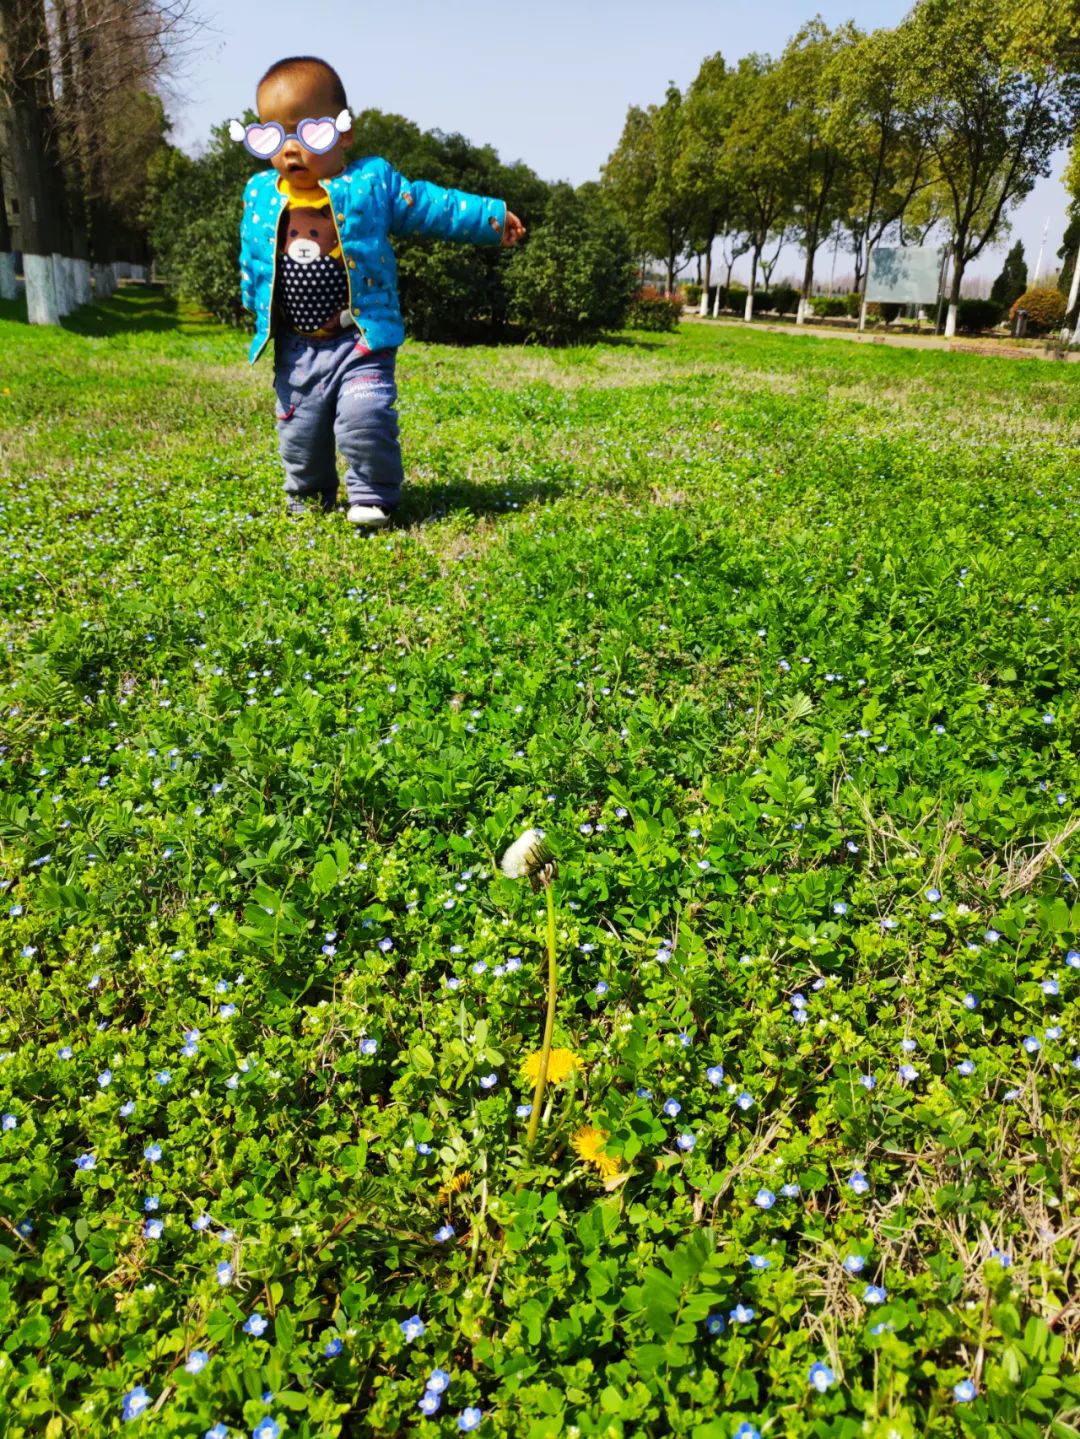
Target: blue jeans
column 328, row 391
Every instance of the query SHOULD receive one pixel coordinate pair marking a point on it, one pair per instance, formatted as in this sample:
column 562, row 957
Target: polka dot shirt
column 311, row 293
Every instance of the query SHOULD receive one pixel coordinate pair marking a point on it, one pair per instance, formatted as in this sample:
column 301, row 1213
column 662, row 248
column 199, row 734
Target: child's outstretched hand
column 513, row 229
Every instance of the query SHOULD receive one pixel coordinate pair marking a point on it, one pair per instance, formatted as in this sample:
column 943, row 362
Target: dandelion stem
column 549, row 1023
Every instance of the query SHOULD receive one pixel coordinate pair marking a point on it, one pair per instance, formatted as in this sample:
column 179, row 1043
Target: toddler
column 317, row 270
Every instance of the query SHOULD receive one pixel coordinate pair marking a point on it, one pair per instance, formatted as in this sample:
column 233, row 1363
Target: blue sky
column 548, row 84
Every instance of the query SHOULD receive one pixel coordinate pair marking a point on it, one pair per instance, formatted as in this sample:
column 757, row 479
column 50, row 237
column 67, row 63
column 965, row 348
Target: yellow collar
column 311, row 198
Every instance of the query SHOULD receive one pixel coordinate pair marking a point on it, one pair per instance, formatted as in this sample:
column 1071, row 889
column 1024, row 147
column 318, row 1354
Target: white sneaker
column 368, row 517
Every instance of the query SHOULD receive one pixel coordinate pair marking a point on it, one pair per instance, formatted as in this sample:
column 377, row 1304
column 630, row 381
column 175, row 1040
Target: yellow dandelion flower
column 589, row 1145
column 561, row 1063
column 455, row 1184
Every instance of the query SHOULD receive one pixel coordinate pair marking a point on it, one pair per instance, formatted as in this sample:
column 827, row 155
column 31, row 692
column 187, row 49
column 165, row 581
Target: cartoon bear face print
column 309, row 233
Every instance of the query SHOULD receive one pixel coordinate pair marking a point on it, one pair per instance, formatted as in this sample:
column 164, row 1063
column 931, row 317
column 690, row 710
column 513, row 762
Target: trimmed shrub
column 574, row 277
column 1045, row 308
column 973, row 316
column 852, row 304
column 692, row 293
column 734, row 298
column 829, row 307
column 651, row 311
column 784, row 299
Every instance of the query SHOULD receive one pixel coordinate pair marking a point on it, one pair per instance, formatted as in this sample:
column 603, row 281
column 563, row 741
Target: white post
column 8, row 288
column 1038, row 262
column 748, row 312
column 40, row 290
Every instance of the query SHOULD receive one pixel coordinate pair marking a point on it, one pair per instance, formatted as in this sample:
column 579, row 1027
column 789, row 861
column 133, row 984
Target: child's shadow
column 423, row 504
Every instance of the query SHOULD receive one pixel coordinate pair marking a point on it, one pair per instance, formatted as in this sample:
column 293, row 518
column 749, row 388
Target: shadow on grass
column 422, row 504
column 132, row 309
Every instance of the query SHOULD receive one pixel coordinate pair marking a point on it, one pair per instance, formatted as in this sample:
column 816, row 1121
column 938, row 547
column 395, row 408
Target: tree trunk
column 748, row 313
column 954, row 293
column 703, row 308
column 808, row 280
column 8, row 288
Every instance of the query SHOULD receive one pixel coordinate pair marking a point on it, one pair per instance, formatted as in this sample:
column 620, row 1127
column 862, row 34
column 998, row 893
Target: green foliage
column 783, row 299
column 1012, row 281
column 649, row 311
column 692, row 292
column 775, row 639
column 830, row 307
column 973, row 316
column 574, row 277
column 1045, row 307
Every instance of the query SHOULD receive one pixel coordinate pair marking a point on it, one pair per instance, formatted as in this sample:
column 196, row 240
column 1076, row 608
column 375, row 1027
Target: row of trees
column 80, row 118
column 940, row 126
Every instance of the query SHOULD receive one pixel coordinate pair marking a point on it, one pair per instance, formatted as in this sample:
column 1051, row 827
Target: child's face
column 288, row 99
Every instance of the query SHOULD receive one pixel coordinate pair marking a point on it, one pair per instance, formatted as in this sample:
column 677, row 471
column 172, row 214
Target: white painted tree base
column 862, row 316
column 9, row 290
column 800, row 313
column 950, row 323
column 748, row 312
column 80, row 281
column 40, row 290
column 64, row 300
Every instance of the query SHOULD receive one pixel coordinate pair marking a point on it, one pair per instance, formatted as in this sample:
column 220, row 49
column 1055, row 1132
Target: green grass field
column 777, row 639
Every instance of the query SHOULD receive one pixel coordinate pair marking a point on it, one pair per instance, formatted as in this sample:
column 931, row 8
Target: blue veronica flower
column 746, row 1431
column 839, row 907
column 104, row 1079
column 266, row 1429
column 671, row 1107
column 154, row 1228
column 854, row 1264
column 368, row 1046
column 163, row 1076
column 686, row 1142
column 423, row 1147
column 523, row 1111
column 685, row 1040
column 152, row 1152
column 1011, row 1094
column 715, row 1324
column 759, row 1262
column 443, row 1233
column 218, row 1431
column 25, row 1228
column 429, row 1403
column 643, row 1093
column 821, row 1377
column 991, row 936
column 966, row 1068
column 1072, row 959
column 224, row 1273
column 965, row 1391
column 200, row 1223
column 85, row 1161
column 412, row 1328
column 489, row 1081
column 858, row 1183
column 227, row 1011
column 908, row 1072
column 10, row 1121
column 798, row 1001
column 602, row 986
column 1002, row 1258
column 764, row 1199
column 127, row 1109
column 254, row 1324
column 1031, row 1044
column 513, row 964
column 790, row 1191
column 867, row 1081
column 453, row 982
column 438, row 1381
column 268, row 1396
column 800, row 1016
column 64, row 1051
column 715, row 1074
column 469, row 1418
column 333, row 1347
column 874, row 1294
column 971, row 1001
column 1048, row 719
column 741, row 1314
column 1051, row 987
column 932, row 894
column 885, row 1327
column 134, row 1402
column 1054, row 1032
column 197, row 1361
column 744, row 1101
column 908, row 1046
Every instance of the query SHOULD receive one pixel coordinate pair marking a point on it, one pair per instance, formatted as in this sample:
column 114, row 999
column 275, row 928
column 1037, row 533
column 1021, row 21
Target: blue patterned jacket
column 370, row 201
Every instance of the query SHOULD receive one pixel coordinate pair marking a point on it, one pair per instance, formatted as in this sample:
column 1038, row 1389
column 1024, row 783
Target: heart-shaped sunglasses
column 265, row 140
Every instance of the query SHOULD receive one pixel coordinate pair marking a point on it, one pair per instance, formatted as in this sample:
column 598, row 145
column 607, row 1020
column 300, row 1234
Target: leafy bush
column 879, row 310
column 829, row 307
column 973, row 316
column 649, row 310
column 852, row 304
column 1045, row 308
column 733, row 297
column 692, row 293
column 575, row 275
column 784, row 299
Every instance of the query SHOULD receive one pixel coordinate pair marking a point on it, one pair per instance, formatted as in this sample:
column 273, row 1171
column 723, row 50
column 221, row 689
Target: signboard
column 905, row 275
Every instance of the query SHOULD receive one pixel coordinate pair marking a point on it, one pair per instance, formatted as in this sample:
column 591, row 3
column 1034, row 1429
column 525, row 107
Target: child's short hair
column 308, row 65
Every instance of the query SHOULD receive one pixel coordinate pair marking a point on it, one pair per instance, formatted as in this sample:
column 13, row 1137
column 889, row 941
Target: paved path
column 1002, row 349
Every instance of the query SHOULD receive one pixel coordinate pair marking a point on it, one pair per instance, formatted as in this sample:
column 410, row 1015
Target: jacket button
column 352, row 264
column 341, row 217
